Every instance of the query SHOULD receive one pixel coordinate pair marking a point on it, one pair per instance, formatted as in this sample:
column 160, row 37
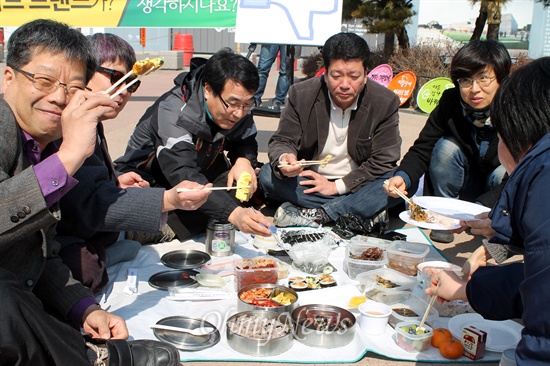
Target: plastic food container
column 253, row 271
column 405, row 305
column 426, row 271
column 404, row 256
column 353, row 267
column 412, row 342
column 373, row 280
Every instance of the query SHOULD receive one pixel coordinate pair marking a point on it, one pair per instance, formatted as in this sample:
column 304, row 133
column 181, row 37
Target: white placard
column 291, row 22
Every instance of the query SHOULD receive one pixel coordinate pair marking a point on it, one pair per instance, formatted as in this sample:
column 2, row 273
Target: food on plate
column 311, row 282
column 244, row 181
column 142, row 66
column 451, row 348
column 440, row 334
column 385, row 283
column 258, row 327
column 406, row 312
column 418, row 213
column 355, row 301
column 370, row 254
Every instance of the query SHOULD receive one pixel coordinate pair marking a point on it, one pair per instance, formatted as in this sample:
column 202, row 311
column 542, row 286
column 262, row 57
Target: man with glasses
column 45, row 98
column 104, row 203
column 202, row 130
column 457, row 148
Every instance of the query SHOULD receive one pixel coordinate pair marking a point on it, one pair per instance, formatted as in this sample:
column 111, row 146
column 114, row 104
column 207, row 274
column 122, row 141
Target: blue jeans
column 451, row 176
column 268, row 55
column 368, row 201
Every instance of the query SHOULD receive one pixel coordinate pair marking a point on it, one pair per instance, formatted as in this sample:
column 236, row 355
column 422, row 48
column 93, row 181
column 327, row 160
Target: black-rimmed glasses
column 233, row 106
column 482, row 81
column 115, row 75
column 48, row 84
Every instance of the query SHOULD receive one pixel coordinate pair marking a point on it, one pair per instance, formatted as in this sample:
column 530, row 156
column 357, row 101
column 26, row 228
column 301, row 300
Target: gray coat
column 27, row 226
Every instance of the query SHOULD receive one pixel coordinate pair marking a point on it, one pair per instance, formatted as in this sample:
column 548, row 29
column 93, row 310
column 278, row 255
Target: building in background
column 539, row 37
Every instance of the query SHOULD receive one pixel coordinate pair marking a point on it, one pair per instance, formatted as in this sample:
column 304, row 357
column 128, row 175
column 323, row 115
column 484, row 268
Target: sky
column 456, row 11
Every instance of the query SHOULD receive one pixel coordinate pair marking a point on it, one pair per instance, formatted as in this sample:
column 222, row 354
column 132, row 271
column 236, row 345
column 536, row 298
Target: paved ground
column 119, row 130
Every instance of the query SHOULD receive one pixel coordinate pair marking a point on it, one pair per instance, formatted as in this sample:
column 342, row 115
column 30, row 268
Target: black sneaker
column 166, row 235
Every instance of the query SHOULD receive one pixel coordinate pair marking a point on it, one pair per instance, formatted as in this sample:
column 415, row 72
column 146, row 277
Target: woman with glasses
column 520, row 218
column 456, row 150
column 104, row 203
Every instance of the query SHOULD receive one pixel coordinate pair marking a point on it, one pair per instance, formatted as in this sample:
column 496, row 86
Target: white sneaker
column 289, row 215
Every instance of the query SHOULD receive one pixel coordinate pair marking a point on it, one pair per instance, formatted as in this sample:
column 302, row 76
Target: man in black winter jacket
column 202, row 130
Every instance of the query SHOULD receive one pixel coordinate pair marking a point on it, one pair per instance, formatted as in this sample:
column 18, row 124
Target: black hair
column 225, row 65
column 521, row 107
column 109, row 48
column 345, row 46
column 476, row 55
column 44, row 35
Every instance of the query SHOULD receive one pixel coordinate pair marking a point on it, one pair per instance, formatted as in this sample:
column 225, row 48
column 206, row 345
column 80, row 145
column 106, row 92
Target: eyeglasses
column 231, row 106
column 482, row 81
column 48, row 84
column 116, row 75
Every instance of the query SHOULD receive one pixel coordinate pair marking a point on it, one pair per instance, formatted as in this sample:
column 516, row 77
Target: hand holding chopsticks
column 399, row 193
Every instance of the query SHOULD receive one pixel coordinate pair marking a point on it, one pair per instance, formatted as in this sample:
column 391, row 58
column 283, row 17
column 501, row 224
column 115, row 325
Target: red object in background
column 143, row 36
column 1, row 36
column 184, row 42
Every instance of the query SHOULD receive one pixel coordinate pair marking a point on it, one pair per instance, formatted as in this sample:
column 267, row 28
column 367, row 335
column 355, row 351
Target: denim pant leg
column 368, row 201
column 268, row 55
column 282, row 82
column 289, row 190
column 448, row 168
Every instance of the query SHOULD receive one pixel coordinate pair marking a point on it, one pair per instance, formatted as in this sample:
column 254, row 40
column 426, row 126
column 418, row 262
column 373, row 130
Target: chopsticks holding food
column 141, row 68
column 210, row 189
column 399, row 193
column 323, row 163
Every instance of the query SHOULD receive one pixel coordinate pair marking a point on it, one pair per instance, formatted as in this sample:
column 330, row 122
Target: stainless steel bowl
column 324, row 326
column 276, row 290
column 260, row 347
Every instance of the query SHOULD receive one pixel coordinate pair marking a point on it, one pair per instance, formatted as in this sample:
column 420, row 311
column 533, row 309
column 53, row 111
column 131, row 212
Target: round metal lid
column 185, row 259
column 167, row 279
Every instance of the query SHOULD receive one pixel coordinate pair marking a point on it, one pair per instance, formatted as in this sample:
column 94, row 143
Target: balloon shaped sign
column 403, row 85
column 430, row 93
column 382, row 74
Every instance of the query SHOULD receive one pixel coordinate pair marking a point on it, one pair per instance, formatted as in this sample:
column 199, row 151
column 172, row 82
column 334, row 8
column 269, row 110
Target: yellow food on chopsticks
column 142, row 66
column 244, row 181
column 157, row 62
column 326, row 160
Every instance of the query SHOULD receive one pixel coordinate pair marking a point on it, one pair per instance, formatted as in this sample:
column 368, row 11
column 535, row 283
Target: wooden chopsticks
column 211, row 188
column 130, row 83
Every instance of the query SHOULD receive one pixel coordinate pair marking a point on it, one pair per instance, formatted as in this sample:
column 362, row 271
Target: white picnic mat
column 149, row 305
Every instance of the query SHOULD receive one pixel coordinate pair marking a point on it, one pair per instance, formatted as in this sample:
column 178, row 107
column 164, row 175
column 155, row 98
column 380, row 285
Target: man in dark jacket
column 339, row 114
column 189, row 130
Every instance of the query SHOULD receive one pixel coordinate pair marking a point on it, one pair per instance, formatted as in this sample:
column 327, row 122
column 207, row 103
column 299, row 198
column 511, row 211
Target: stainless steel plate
column 178, row 278
column 185, row 341
column 185, row 259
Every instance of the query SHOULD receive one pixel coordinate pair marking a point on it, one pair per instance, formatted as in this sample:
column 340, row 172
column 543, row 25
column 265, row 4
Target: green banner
column 123, row 13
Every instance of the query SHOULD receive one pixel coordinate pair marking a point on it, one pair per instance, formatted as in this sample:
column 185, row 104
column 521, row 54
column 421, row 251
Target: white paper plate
column 451, row 207
column 501, row 335
column 406, row 216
